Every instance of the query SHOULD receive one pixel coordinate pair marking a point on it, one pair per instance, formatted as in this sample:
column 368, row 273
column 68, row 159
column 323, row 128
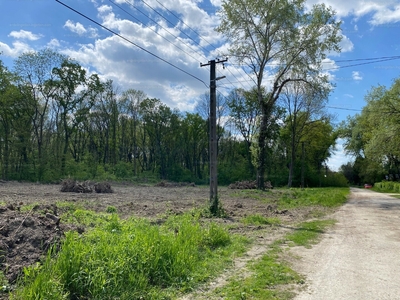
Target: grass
column 325, row 197
column 307, row 233
column 131, row 260
column 4, row 286
column 270, row 276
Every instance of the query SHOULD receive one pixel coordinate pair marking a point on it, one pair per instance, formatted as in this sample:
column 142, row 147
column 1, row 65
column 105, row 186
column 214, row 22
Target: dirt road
column 359, row 258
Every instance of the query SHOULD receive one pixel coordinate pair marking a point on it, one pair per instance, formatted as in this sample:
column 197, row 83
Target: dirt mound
column 73, row 186
column 174, row 184
column 26, row 236
column 248, row 185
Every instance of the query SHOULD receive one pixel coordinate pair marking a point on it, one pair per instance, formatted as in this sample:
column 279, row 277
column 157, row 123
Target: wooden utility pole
column 213, row 135
column 303, row 154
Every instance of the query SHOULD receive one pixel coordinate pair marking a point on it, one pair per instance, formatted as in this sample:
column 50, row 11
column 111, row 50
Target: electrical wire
column 200, row 37
column 153, row 30
column 155, row 22
column 184, row 33
column 129, row 41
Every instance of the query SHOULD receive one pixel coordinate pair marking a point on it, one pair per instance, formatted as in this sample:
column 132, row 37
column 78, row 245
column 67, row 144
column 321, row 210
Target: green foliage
column 387, row 186
column 4, row 286
column 111, row 209
column 129, row 260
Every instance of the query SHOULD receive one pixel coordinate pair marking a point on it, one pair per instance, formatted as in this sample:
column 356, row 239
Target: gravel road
column 359, row 258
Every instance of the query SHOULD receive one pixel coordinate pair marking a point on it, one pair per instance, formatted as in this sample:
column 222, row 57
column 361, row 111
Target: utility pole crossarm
column 213, row 135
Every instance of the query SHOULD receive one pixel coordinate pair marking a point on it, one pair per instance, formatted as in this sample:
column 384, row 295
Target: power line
column 365, row 63
column 129, row 41
column 155, row 22
column 174, row 25
column 343, row 108
column 153, row 30
column 200, row 37
column 373, row 58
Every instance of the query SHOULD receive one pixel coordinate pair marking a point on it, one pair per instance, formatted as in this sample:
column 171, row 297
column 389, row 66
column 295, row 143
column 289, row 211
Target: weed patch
column 326, row 197
column 129, row 259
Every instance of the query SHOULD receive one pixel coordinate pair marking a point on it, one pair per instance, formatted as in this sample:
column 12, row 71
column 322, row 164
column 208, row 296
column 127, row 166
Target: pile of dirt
column 164, row 183
column 73, row 186
column 26, row 236
column 249, row 185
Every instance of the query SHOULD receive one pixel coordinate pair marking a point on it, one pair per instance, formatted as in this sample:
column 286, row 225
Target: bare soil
column 30, row 219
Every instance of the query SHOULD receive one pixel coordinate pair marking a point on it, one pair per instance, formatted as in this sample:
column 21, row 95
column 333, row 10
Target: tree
column 131, row 100
column 280, row 39
column 34, row 69
column 73, row 104
column 304, row 105
column 244, row 110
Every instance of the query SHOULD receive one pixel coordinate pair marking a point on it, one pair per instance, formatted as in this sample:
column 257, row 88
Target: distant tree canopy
column 373, row 137
column 56, row 121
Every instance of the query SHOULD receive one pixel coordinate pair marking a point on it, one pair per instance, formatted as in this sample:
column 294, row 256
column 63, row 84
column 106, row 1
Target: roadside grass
column 271, row 277
column 326, row 197
column 131, row 259
column 308, row 233
column 296, row 197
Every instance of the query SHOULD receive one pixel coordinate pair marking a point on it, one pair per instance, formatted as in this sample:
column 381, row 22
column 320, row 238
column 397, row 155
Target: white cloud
column 356, row 76
column 54, row 43
column 17, row 49
column 23, row 34
column 338, row 157
column 80, row 30
column 386, row 15
column 75, row 27
column 379, row 12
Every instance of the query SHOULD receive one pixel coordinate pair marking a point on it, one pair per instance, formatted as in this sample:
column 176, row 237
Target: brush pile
column 73, row 186
column 249, row 185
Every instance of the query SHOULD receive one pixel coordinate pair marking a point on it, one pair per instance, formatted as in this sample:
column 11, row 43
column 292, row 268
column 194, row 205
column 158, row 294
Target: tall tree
column 34, row 69
column 74, row 94
column 304, row 105
column 282, row 40
column 131, row 100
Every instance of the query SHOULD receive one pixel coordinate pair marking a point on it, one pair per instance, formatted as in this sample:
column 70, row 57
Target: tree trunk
column 261, row 162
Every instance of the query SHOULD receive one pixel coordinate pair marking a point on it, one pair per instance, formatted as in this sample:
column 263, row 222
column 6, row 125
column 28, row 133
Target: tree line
column 57, row 121
column 372, row 137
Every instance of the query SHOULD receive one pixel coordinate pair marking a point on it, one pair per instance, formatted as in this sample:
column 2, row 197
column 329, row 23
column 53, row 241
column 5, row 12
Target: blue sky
column 371, row 29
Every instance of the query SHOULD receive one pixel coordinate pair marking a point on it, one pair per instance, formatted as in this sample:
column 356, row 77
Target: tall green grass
column 327, row 197
column 387, row 186
column 128, row 260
